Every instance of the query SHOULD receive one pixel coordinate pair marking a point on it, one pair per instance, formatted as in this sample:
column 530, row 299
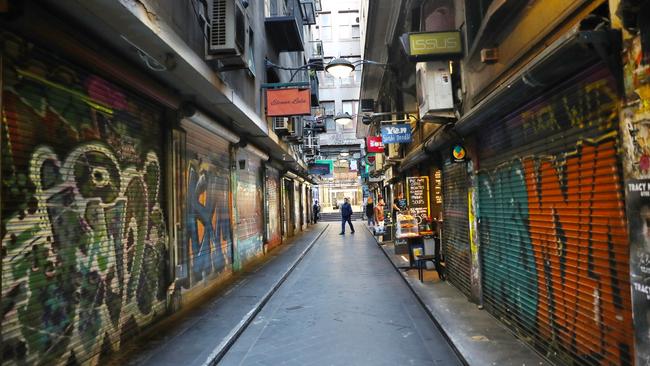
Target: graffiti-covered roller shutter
column 250, row 223
column 455, row 233
column 207, row 244
column 553, row 232
column 83, row 233
column 273, row 221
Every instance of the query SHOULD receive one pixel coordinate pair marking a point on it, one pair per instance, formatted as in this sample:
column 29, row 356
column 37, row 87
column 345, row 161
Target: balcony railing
column 284, row 25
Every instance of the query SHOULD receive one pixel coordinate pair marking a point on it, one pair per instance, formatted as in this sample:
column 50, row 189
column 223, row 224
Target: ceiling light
column 345, row 153
column 339, row 67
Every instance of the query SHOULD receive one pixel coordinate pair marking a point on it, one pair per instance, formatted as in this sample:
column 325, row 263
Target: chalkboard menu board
column 417, row 194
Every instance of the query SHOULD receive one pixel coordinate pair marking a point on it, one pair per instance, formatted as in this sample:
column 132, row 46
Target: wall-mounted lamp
column 343, row 118
column 338, row 67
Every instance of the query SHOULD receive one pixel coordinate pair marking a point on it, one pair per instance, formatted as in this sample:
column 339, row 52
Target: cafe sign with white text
column 288, row 102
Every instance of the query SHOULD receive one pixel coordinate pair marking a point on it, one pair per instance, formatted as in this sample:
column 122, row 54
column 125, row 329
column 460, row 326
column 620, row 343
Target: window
column 348, row 24
column 355, row 76
column 329, row 108
column 324, row 27
column 325, row 79
column 251, row 52
column 351, row 107
column 475, row 11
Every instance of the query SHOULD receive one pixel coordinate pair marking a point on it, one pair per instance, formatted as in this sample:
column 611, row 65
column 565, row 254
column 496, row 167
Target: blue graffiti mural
column 508, row 273
column 208, row 220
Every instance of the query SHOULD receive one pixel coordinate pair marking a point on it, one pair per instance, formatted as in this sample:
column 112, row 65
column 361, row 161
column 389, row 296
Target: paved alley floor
column 344, row 304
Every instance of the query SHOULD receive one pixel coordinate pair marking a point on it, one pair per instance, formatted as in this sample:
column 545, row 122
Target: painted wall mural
column 208, row 219
column 84, row 244
column 272, row 201
column 554, row 249
column 250, row 222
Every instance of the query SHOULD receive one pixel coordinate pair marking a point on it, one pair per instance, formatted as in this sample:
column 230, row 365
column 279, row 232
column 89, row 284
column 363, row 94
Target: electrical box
column 434, row 89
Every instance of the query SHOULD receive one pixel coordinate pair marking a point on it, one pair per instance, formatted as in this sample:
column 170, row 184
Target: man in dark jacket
column 346, row 215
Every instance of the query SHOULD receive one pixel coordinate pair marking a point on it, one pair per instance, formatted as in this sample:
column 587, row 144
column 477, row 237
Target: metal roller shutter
column 250, row 227
column 84, row 262
column 273, row 221
column 296, row 206
column 552, row 223
column 455, row 233
column 207, row 246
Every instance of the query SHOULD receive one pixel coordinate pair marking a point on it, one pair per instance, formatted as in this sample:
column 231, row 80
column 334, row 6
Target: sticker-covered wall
column 84, row 244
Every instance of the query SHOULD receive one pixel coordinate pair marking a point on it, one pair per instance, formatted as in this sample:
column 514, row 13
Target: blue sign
column 396, row 134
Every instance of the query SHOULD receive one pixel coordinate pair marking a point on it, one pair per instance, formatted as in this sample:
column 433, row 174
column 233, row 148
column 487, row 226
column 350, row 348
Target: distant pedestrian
column 316, row 210
column 379, row 210
column 370, row 212
column 346, row 216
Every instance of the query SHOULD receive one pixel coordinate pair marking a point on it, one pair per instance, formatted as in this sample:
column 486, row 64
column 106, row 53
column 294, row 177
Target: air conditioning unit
column 434, row 89
column 281, row 126
column 228, row 39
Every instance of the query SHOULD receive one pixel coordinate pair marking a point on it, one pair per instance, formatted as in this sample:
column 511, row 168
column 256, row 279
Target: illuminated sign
column 288, row 102
column 396, row 134
column 433, row 45
column 375, row 145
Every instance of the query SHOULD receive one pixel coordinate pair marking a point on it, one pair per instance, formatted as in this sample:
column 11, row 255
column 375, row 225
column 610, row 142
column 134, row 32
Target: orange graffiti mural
column 579, row 239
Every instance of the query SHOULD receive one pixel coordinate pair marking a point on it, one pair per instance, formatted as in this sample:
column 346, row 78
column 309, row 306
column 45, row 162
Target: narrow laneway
column 343, row 305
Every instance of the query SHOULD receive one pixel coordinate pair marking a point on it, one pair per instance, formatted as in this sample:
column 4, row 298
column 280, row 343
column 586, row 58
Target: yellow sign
column 435, row 43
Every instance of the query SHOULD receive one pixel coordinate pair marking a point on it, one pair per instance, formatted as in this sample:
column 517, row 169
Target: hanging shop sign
column 319, row 169
column 396, row 134
column 458, row 153
column 376, row 179
column 417, row 195
column 354, row 165
column 370, row 159
column 429, row 46
column 375, row 144
column 288, row 102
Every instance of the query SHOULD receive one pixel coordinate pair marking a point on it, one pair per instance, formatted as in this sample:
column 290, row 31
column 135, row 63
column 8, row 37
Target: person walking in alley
column 398, row 206
column 316, row 210
column 346, row 216
column 370, row 212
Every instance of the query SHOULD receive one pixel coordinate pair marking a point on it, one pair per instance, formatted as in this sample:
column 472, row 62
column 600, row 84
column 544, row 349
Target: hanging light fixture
column 343, row 118
column 339, row 67
column 345, row 153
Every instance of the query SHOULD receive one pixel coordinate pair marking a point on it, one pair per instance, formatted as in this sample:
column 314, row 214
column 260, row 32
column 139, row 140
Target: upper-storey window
column 323, row 27
column 475, row 11
column 348, row 21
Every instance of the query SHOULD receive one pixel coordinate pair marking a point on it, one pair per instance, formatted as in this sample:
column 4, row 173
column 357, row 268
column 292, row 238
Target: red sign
column 288, row 102
column 375, row 145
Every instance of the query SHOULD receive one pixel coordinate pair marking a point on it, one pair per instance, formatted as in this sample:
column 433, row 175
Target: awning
column 413, row 158
column 569, row 54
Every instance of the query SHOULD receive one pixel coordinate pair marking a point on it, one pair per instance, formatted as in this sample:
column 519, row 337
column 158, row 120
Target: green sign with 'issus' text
column 434, row 43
